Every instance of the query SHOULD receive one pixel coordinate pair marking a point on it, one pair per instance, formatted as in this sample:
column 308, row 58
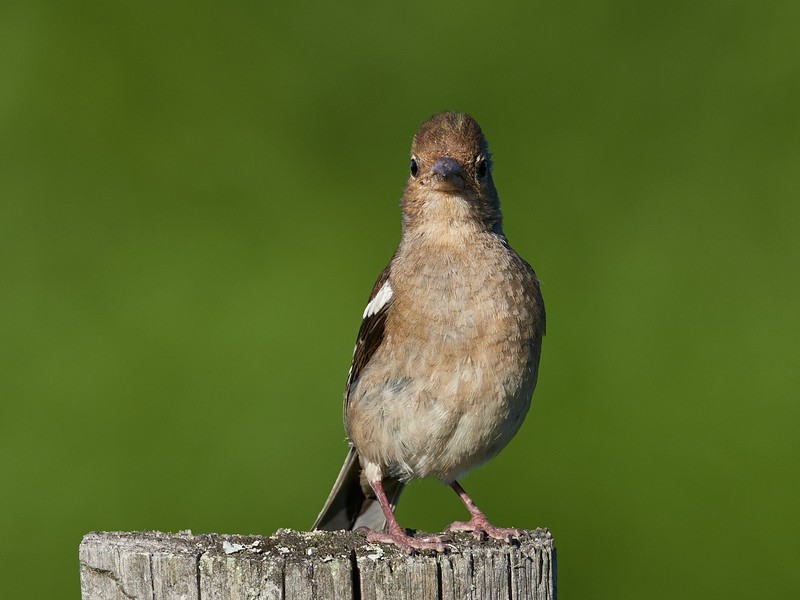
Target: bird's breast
column 453, row 378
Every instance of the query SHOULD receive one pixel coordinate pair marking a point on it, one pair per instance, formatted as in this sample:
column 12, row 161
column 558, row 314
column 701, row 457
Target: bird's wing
column 370, row 335
column 352, row 503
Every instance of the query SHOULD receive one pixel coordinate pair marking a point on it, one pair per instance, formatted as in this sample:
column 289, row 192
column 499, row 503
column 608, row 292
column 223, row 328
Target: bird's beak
column 447, row 175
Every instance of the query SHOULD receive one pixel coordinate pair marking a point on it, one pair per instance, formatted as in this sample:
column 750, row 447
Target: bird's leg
column 479, row 525
column 396, row 534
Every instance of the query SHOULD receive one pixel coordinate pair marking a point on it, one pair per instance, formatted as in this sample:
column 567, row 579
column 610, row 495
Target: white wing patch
column 379, row 301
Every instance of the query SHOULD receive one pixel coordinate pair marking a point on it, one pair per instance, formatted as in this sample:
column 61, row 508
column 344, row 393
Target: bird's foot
column 408, row 543
column 481, row 528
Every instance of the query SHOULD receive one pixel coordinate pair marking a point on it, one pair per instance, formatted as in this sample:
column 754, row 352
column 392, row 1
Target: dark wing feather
column 370, row 335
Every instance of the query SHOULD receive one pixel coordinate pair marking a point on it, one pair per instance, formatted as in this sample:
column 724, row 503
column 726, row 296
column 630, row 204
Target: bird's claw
column 481, row 528
column 407, row 543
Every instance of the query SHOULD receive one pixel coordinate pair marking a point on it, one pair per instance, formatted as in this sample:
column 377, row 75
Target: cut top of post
column 323, row 565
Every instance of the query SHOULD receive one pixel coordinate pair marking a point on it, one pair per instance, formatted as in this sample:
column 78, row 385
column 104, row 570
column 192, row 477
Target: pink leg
column 397, row 535
column 479, row 525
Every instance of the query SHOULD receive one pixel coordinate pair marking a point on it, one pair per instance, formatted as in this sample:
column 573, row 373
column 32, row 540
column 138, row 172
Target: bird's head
column 450, row 174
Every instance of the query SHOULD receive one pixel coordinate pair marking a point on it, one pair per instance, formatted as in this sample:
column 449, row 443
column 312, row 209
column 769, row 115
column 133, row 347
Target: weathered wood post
column 321, row 565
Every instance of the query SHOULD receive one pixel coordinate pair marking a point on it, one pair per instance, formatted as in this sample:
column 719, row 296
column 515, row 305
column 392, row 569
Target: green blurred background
column 195, row 199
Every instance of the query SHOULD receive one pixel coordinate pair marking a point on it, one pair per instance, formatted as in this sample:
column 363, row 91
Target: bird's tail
column 352, row 503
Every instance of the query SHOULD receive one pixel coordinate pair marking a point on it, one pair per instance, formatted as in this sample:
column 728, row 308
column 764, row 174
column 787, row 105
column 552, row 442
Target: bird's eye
column 483, row 169
column 414, row 167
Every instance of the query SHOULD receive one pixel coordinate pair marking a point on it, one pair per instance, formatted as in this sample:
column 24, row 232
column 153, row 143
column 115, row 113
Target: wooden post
column 324, row 565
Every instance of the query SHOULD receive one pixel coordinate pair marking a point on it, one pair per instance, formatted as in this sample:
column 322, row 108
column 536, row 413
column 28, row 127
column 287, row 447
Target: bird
column 447, row 355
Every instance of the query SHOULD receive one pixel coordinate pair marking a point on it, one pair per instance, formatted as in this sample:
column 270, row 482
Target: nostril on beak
column 446, row 167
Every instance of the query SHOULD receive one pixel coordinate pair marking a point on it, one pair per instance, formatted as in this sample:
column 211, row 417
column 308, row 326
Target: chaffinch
column 447, row 355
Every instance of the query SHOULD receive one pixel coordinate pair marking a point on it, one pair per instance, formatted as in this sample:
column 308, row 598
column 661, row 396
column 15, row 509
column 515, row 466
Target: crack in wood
column 108, row 573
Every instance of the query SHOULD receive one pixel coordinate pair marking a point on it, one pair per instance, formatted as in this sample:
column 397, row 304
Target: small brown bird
column 448, row 352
